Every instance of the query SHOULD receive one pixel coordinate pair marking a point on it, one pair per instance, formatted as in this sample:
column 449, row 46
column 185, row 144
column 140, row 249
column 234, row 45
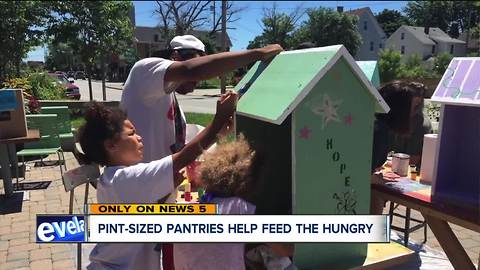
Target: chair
column 407, row 229
column 73, row 178
column 49, row 142
column 192, row 130
column 86, row 173
column 64, row 125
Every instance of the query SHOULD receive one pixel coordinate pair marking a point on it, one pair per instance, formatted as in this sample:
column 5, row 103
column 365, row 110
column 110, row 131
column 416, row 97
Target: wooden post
column 449, row 242
column 223, row 85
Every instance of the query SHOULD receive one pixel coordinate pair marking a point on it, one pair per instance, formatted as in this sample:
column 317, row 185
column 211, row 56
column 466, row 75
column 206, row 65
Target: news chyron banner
column 201, row 223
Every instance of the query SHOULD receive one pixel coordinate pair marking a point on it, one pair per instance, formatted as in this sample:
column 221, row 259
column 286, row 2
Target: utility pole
column 223, row 86
column 468, row 30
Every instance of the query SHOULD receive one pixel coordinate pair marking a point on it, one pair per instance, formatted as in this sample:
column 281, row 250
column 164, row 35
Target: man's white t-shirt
column 148, row 101
column 216, row 256
column 141, row 183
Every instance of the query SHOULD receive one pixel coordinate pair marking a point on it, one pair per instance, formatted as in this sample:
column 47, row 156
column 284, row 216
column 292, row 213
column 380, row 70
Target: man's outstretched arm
column 206, row 67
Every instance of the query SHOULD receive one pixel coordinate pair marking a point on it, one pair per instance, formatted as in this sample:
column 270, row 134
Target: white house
column 473, row 42
column 373, row 36
column 425, row 42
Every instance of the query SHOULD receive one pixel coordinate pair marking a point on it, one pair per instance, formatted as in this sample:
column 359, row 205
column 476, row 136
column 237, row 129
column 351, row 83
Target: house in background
column 373, row 36
column 473, row 44
column 147, row 40
column 425, row 42
column 150, row 39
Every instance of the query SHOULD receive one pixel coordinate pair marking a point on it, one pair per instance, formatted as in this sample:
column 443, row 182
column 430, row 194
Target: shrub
column 38, row 86
column 19, row 83
column 413, row 61
column 389, row 65
column 45, row 87
column 30, row 103
column 441, row 62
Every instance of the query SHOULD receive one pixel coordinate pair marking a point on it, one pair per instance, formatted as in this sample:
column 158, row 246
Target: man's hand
column 270, row 51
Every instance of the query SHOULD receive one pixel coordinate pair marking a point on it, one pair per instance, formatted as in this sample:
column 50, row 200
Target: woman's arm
column 225, row 108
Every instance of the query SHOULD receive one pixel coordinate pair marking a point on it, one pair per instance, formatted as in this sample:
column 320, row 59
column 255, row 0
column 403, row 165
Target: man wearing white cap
column 149, row 93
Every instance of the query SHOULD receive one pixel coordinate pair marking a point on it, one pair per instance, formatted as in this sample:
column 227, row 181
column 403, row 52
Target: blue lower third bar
column 60, row 228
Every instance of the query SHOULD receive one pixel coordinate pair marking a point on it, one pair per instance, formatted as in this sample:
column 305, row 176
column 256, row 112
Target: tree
column 181, row 17
column 452, row 17
column 20, row 31
column 389, row 65
column 95, row 30
column 326, row 26
column 277, row 27
column 61, row 57
column 390, row 20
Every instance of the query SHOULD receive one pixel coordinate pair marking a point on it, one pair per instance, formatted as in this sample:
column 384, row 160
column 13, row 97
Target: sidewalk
column 198, row 92
column 18, row 249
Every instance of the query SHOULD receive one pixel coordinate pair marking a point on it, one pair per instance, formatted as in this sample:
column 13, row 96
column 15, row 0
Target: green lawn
column 192, row 118
column 77, row 121
column 199, row 118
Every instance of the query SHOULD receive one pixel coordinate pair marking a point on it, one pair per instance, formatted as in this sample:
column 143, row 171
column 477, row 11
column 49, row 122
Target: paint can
column 400, row 163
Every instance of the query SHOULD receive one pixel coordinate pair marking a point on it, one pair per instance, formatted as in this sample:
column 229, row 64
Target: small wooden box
column 457, row 179
column 12, row 114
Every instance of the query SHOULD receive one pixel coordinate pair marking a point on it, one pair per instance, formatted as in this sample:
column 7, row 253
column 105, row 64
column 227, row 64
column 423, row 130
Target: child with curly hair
column 227, row 174
column 108, row 138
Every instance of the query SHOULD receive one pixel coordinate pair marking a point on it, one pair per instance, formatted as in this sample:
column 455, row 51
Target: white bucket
column 400, row 163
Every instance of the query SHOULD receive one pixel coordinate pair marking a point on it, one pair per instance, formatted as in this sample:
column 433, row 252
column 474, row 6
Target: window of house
column 155, row 38
column 371, row 46
column 451, row 49
column 402, row 37
column 433, row 49
column 402, row 50
column 365, row 25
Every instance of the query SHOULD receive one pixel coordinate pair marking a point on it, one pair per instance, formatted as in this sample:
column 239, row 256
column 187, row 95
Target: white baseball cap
column 187, row 42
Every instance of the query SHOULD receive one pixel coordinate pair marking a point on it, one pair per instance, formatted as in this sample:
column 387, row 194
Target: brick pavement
column 18, row 249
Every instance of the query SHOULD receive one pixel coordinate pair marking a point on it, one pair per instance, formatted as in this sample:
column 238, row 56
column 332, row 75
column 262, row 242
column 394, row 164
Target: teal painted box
column 310, row 114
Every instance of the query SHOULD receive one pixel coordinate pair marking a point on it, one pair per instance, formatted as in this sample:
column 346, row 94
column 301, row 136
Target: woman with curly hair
column 227, row 174
column 108, row 138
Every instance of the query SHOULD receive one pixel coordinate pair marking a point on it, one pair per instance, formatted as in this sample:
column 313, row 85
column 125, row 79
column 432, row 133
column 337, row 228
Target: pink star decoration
column 305, row 133
column 349, row 119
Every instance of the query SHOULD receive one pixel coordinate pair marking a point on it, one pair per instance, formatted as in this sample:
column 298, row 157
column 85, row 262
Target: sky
column 248, row 26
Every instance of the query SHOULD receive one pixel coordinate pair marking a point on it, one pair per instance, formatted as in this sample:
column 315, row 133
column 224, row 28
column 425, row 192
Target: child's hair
column 231, row 169
column 102, row 123
column 398, row 95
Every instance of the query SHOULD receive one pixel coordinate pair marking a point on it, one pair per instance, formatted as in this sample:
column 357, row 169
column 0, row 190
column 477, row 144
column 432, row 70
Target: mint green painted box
column 310, row 114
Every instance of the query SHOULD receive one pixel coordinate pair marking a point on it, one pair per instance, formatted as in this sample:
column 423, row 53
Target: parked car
column 80, row 75
column 71, row 90
column 71, row 76
column 60, row 73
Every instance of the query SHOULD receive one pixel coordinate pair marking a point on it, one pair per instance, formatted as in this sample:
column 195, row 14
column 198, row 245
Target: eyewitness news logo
column 60, row 228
